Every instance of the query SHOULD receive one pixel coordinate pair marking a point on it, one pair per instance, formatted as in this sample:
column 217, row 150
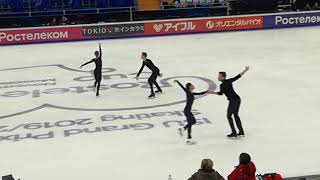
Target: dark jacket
column 243, row 172
column 203, row 174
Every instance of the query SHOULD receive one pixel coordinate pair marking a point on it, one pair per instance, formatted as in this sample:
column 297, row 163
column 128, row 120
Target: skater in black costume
column 234, row 101
column 98, row 70
column 187, row 110
column 155, row 73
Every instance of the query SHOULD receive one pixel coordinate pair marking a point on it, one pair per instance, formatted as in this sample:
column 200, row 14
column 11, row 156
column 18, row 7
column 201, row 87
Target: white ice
column 280, row 107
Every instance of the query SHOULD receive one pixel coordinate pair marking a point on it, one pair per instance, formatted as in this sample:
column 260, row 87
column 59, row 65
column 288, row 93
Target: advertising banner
column 116, row 30
column 39, row 35
column 234, row 23
column 161, row 27
column 292, row 20
column 204, row 25
column 173, row 27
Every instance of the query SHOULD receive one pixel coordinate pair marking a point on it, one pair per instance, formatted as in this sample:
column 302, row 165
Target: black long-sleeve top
column 227, row 88
column 150, row 65
column 190, row 96
column 97, row 61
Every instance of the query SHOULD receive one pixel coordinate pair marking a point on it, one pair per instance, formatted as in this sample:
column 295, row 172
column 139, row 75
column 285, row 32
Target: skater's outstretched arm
column 221, row 92
column 234, row 78
column 100, row 51
column 244, row 71
column 239, row 75
column 181, row 85
column 87, row 63
column 218, row 93
column 143, row 64
column 201, row 93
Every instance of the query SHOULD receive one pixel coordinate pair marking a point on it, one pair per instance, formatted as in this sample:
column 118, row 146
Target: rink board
column 158, row 28
column 53, row 126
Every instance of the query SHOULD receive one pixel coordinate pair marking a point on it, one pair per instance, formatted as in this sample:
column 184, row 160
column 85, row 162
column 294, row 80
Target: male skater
column 97, row 71
column 234, row 101
column 155, row 73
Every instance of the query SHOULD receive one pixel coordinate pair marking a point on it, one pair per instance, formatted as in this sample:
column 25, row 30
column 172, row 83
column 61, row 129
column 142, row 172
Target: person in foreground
column 226, row 88
column 206, row 172
column 246, row 170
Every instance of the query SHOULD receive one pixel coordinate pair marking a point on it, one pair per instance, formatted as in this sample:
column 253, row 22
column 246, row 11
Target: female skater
column 98, row 70
column 187, row 110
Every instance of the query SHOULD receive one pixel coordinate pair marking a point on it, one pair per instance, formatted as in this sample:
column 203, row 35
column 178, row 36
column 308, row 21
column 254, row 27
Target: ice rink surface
column 54, row 128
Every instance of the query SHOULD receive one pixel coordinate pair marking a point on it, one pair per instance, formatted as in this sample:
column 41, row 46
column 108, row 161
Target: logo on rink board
column 40, row 35
column 112, row 30
column 71, row 89
column 203, row 25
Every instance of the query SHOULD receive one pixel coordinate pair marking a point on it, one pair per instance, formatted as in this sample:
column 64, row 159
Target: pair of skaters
column 226, row 88
column 146, row 62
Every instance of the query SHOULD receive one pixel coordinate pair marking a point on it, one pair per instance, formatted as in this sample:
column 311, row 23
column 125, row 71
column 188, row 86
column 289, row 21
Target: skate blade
column 233, row 137
column 191, row 143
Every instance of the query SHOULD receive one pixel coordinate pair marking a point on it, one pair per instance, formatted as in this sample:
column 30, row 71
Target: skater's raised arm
column 239, row 75
column 234, row 78
column 181, row 85
column 143, row 64
column 87, row 63
column 244, row 71
column 100, row 51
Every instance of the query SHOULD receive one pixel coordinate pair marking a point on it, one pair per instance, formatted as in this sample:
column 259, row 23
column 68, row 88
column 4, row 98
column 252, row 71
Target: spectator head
column 207, row 164
column 222, row 76
column 64, row 20
column 177, row 4
column 144, row 55
column 184, row 3
column 244, row 159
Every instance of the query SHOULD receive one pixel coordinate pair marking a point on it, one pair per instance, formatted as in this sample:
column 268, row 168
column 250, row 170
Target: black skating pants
column 191, row 121
column 233, row 110
column 153, row 81
column 97, row 77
